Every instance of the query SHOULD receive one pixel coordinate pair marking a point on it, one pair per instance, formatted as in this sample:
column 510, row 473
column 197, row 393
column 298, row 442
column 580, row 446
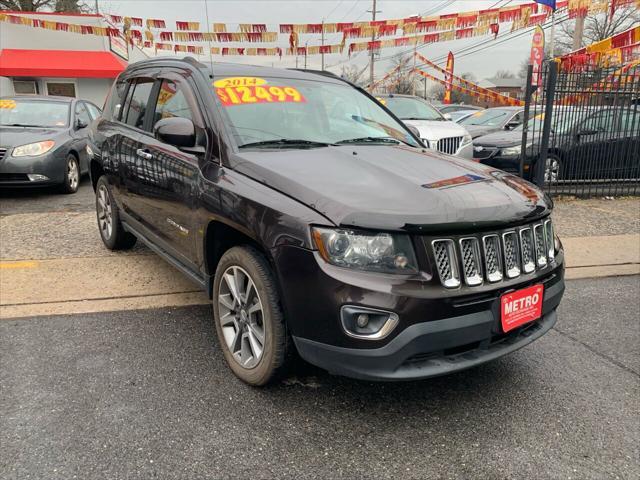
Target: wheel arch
column 220, row 237
column 95, row 172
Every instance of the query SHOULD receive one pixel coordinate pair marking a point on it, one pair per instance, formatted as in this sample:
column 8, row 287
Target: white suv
column 436, row 131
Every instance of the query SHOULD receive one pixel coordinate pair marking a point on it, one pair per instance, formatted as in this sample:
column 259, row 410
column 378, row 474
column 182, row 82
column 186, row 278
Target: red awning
column 59, row 63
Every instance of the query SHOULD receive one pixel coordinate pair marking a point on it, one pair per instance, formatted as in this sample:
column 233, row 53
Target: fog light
column 34, row 177
column 363, row 320
column 367, row 323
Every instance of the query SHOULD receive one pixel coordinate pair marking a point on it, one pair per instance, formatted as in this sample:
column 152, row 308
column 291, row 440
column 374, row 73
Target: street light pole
column 373, row 39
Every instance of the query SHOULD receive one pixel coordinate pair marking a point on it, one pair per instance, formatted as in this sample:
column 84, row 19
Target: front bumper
column 16, row 171
column 439, row 331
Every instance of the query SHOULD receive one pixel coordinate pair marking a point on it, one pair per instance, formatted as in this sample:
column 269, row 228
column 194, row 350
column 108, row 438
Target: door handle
column 144, row 154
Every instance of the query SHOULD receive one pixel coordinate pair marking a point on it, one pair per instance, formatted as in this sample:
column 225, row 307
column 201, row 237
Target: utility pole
column 577, row 33
column 322, row 43
column 373, row 39
column 97, row 9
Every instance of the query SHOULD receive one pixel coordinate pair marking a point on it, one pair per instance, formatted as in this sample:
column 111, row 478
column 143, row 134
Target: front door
column 171, row 175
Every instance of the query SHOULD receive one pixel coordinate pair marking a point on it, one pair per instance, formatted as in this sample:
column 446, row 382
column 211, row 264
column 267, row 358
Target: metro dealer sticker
column 520, row 307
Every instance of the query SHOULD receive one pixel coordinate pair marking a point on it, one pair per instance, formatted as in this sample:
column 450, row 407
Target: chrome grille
column 3, row 152
column 527, row 250
column 471, row 261
column 541, row 256
column 446, row 262
column 492, row 257
column 449, row 145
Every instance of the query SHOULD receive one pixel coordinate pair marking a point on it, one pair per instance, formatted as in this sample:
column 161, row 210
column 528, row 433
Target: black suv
column 318, row 224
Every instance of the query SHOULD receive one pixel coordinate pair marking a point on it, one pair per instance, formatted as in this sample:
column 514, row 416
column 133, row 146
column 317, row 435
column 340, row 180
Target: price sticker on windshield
column 7, row 104
column 243, row 95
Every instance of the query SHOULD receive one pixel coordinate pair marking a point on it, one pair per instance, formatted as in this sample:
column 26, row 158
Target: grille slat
column 492, row 257
column 541, row 254
column 527, row 250
column 548, row 237
column 446, row 262
column 471, row 261
column 511, row 256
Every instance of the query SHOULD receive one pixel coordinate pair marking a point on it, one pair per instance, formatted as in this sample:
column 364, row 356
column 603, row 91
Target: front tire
column 113, row 234
column 71, row 175
column 249, row 321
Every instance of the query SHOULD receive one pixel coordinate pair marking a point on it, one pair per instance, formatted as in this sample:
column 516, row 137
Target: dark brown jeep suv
column 319, row 224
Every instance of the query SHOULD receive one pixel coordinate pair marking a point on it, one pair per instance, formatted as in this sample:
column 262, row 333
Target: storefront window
column 25, row 87
column 61, row 89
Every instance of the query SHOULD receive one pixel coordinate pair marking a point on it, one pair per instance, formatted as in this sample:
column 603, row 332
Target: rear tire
column 249, row 321
column 113, row 234
column 71, row 175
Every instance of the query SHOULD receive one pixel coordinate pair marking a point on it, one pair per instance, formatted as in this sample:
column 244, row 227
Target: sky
column 496, row 55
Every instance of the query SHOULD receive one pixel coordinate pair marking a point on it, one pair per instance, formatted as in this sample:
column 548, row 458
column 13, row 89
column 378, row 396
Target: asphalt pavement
column 146, row 394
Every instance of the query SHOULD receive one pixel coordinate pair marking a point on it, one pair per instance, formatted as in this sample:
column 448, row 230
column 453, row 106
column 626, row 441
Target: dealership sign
column 537, row 55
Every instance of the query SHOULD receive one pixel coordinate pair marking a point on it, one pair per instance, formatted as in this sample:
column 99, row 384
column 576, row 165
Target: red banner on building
column 448, row 79
column 537, row 55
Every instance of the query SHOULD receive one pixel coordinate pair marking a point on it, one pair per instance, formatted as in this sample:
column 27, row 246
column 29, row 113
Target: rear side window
column 115, row 100
column 136, row 105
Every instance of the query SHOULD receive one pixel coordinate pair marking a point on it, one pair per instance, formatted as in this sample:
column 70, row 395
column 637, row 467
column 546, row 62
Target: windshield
column 294, row 113
column 407, row 108
column 33, row 113
column 562, row 121
column 490, row 117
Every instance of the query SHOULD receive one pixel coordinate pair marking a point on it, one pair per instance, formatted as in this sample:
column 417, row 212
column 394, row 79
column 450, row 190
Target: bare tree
column 75, row 6
column 504, row 74
column 354, row 74
column 597, row 27
column 437, row 91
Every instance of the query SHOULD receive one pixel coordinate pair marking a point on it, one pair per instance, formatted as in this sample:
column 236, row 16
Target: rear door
column 171, row 174
column 135, row 171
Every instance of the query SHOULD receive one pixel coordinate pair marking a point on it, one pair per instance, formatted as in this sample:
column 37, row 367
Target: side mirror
column 511, row 125
column 177, row 131
column 447, row 116
column 80, row 124
column 414, row 130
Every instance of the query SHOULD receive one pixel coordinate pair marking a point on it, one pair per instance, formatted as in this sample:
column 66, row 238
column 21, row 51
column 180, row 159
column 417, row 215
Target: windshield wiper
column 21, row 125
column 290, row 142
column 381, row 140
column 422, row 118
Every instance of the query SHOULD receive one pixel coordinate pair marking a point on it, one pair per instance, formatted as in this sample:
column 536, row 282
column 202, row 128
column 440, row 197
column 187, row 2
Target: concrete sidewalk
column 57, row 273
column 70, row 285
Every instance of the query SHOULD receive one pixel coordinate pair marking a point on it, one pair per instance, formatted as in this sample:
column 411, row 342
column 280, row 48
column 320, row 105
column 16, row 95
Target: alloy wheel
column 241, row 317
column 105, row 212
column 73, row 175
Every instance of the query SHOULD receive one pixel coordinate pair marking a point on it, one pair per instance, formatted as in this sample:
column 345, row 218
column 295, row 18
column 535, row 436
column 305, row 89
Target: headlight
column 89, row 151
column 33, row 149
column 378, row 252
column 512, row 151
column 466, row 139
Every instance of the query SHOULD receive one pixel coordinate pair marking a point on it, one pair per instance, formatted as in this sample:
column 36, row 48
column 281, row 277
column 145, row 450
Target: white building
column 53, row 62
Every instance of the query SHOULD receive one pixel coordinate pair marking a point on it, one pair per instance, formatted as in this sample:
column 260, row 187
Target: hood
column 479, row 130
column 396, row 187
column 16, row 136
column 502, row 138
column 437, row 129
